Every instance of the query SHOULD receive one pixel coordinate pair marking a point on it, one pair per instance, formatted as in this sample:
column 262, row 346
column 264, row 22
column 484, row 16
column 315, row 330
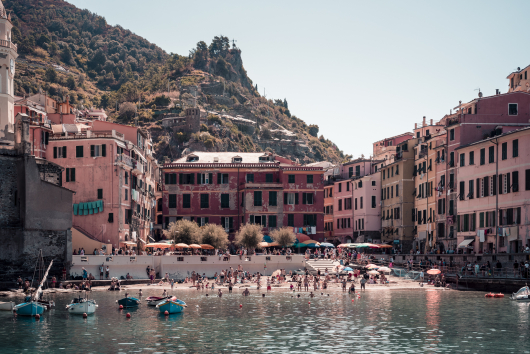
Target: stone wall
column 9, row 205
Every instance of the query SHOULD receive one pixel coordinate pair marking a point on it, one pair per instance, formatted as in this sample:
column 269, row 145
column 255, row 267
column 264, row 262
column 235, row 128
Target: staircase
column 314, row 265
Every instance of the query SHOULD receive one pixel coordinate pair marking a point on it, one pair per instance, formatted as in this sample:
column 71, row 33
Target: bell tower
column 8, row 55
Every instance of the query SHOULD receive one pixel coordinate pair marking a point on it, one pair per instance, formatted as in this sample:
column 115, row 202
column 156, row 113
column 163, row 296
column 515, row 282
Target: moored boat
column 81, row 305
column 522, row 295
column 29, row 309
column 155, row 300
column 7, row 306
column 171, row 306
column 129, row 301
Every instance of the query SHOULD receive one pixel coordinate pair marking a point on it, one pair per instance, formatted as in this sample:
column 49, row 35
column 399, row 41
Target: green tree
column 248, row 236
column 313, row 130
column 70, row 82
column 200, row 55
column 214, row 235
column 183, row 231
column 266, row 133
column 127, row 110
column 284, row 236
column 66, row 55
column 50, row 75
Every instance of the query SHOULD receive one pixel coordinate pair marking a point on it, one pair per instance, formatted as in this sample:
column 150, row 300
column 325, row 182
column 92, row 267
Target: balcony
column 90, row 135
column 125, row 160
column 452, row 121
column 138, row 167
column 8, row 44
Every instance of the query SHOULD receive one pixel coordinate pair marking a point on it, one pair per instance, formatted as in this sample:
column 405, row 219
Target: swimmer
column 298, row 295
column 246, row 292
column 206, row 294
column 311, row 294
column 140, row 293
column 220, row 293
column 165, row 293
column 262, row 295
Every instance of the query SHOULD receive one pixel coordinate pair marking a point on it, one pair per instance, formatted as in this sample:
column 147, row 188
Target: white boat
column 522, row 295
column 81, row 305
column 7, row 306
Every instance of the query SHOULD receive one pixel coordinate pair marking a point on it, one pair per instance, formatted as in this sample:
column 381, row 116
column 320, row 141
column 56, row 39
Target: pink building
column 386, row 149
column 493, row 190
column 367, row 208
column 39, row 125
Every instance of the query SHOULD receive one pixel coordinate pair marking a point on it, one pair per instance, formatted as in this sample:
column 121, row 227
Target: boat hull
column 171, row 307
column 522, row 298
column 129, row 302
column 7, row 306
column 29, row 309
column 88, row 307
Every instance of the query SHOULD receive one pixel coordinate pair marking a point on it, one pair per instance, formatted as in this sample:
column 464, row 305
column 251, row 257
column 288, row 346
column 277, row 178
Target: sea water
column 381, row 321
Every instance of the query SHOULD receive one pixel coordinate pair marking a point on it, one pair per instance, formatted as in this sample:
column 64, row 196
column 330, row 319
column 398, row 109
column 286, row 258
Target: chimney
column 497, row 91
column 415, row 125
column 423, row 120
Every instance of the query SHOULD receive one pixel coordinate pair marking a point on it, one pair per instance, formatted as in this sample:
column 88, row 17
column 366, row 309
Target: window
column 170, row 178
column 290, row 198
column 482, row 156
column 357, row 171
column 59, row 152
column 481, row 183
column 383, row 174
column 347, row 204
column 515, row 181
column 452, row 134
column 257, row 198
column 512, row 109
column 462, row 160
column 340, row 204
column 187, row 178
column 373, row 202
column 340, row 187
column 273, row 198
column 70, row 175
column 205, row 201
column 250, row 178
column 100, row 193
column 527, row 180
column 272, row 221
column 392, row 170
column 201, row 221
column 515, row 146
column 309, row 178
column 347, row 186
column 373, row 183
column 222, row 178
column 291, row 178
column 126, row 192
column 111, row 217
column 127, row 178
column 471, row 188
column 79, row 151
column 355, row 203
column 350, row 172
column 504, row 152
column 397, row 190
column 397, row 172
column 361, row 202
column 360, row 184
column 205, row 178
column 173, row 201
column 290, row 220
column 451, row 159
column 471, row 157
column 225, row 200
column 98, row 150
column 186, row 201
column 268, row 178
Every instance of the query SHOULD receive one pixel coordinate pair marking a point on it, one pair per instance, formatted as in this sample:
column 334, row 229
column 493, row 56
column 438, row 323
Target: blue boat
column 171, row 306
column 29, row 309
column 129, row 302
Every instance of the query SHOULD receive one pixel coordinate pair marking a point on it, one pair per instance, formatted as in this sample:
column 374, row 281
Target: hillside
column 68, row 51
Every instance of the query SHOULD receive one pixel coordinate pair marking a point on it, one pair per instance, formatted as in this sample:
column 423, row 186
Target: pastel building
column 39, row 125
column 386, row 149
column 367, row 207
column 493, row 193
column 232, row 189
column 8, row 55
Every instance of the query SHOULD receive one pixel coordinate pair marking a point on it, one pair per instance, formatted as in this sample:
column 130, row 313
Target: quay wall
column 180, row 267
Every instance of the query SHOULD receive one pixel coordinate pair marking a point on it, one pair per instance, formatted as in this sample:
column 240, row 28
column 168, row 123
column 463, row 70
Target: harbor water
column 423, row 321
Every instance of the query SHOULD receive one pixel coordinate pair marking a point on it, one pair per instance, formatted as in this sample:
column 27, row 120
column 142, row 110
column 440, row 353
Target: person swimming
column 311, row 294
column 220, row 293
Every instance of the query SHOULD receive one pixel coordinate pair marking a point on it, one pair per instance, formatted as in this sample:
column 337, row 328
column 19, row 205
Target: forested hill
column 111, row 67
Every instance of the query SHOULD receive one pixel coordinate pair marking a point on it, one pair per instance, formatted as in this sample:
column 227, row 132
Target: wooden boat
column 82, row 305
column 522, row 295
column 129, row 301
column 34, row 305
column 7, row 306
column 155, row 300
column 171, row 306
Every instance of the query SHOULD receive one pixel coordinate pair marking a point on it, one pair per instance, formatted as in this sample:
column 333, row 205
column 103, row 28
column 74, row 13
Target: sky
column 361, row 70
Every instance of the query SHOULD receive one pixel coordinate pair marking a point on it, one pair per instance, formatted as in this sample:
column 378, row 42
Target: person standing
column 101, row 268
column 107, row 272
column 422, row 276
column 363, row 283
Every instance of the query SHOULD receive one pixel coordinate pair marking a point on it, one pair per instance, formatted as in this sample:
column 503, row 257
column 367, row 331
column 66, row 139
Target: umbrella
column 385, row 246
column 433, row 271
column 276, row 272
column 267, row 238
column 309, row 242
column 181, row 245
column 343, row 245
column 313, row 245
column 207, row 247
column 130, row 243
column 263, row 244
column 195, row 246
column 347, row 269
column 384, row 270
column 326, row 244
column 373, row 272
column 371, row 266
column 158, row 245
column 299, row 245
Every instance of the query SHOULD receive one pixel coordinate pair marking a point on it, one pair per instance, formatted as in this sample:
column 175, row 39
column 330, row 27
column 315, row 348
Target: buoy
column 166, row 313
column 37, row 317
column 121, row 307
column 352, row 300
column 240, row 306
column 128, row 315
column 498, row 295
column 489, row 295
column 84, row 315
column 197, row 306
column 309, row 302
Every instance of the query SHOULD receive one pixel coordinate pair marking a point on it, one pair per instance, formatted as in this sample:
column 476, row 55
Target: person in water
column 246, row 292
column 220, row 293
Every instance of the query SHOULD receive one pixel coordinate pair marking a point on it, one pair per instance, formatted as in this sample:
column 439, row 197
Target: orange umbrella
column 301, row 237
column 385, row 246
column 207, row 247
column 273, row 244
column 433, row 271
column 370, row 266
column 181, row 245
column 194, row 246
column 263, row 244
column 159, row 245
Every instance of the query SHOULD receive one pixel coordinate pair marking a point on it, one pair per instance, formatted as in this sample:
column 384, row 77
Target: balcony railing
column 90, row 135
column 8, row 44
column 126, row 160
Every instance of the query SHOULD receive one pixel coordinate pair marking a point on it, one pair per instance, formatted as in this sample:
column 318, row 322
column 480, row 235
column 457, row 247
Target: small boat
column 498, row 295
column 489, row 295
column 7, row 306
column 34, row 305
column 129, row 301
column 522, row 295
column 154, row 300
column 171, row 306
column 82, row 305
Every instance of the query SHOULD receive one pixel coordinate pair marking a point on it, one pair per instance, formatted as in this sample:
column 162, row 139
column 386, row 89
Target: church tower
column 8, row 55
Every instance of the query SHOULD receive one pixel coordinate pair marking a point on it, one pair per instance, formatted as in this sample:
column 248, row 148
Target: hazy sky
column 361, row 70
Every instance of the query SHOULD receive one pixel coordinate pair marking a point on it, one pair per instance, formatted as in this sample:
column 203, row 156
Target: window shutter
column 181, row 178
column 223, row 222
column 500, row 184
column 55, row 152
column 192, row 178
column 67, row 175
column 508, row 182
column 264, row 221
column 166, row 176
column 231, row 223
column 515, row 181
column 305, row 220
column 64, row 152
column 285, row 198
column 219, row 178
column 91, row 150
column 252, row 219
column 478, row 188
column 198, row 178
column 206, row 219
column 304, row 198
column 296, row 198
column 494, row 182
column 72, row 177
column 486, row 186
column 104, row 150
column 46, row 137
column 210, row 178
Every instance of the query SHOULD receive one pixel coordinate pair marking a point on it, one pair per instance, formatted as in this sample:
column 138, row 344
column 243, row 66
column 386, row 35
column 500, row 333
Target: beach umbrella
column 158, row 245
column 299, row 245
column 194, row 246
column 343, row 245
column 128, row 243
column 207, row 247
column 373, row 272
column 267, row 238
column 384, row 270
column 302, row 237
column 181, row 245
column 433, row 271
column 313, row 245
column 371, row 266
column 309, row 242
column 326, row 244
column 385, row 246
column 347, row 269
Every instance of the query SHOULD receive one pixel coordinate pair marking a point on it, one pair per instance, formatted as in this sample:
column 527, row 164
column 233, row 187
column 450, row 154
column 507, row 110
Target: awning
column 121, row 145
column 465, row 243
column 70, row 128
column 57, row 128
column 142, row 241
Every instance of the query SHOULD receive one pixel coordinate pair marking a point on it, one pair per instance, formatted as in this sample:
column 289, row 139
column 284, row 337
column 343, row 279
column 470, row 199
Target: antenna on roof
column 479, row 93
